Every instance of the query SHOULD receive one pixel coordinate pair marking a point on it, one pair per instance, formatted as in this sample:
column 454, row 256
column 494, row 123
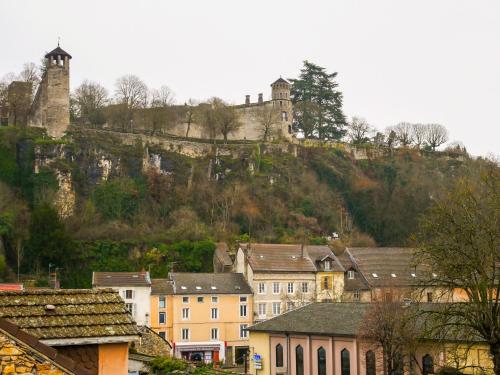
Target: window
column 289, row 288
column 243, row 310
column 185, row 313
column 305, row 288
column 321, row 361
column 129, row 294
column 162, row 302
column 215, row 299
column 215, row 313
column 281, row 105
column 185, row 333
column 370, row 363
column 326, row 283
column 284, row 115
column 276, row 288
column 214, row 333
column 200, row 299
column 276, row 308
column 427, row 365
column 243, row 299
column 185, row 299
column 327, row 265
column 299, row 360
column 162, row 318
column 350, row 275
column 243, row 331
column 262, row 309
column 279, row 355
column 345, row 364
column 130, row 308
column 262, row 288
column 388, row 297
column 162, row 334
column 356, row 295
column 429, row 296
column 289, row 306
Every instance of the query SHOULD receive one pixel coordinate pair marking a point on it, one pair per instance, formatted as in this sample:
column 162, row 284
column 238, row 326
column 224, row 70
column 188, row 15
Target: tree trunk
column 495, row 352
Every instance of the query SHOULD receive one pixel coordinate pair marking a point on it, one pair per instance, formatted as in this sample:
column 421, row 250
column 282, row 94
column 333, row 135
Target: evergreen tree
column 317, row 104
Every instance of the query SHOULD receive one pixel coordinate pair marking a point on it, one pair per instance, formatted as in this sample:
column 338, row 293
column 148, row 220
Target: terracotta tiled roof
column 210, row 283
column 161, row 286
column 319, row 253
column 279, row 258
column 71, row 313
column 115, row 279
column 29, row 341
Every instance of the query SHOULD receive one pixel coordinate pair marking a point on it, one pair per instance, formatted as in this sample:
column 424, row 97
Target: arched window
column 427, row 364
column 370, row 362
column 279, row 355
column 299, row 360
column 345, row 364
column 321, row 361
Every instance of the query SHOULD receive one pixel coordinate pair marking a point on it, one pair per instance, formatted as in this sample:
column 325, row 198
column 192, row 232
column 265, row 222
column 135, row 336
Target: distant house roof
column 320, row 253
column 151, row 343
column 161, row 286
column 210, row 283
column 386, row 266
column 117, row 279
column 279, row 258
column 30, row 346
column 58, row 51
column 11, row 286
column 71, row 315
column 336, row 319
column 280, row 80
column 222, row 254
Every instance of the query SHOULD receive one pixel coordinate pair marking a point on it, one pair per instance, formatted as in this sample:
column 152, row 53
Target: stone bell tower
column 50, row 108
column 280, row 90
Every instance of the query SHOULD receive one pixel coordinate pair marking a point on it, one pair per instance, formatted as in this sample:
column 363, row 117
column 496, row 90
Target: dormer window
column 328, row 266
column 350, row 275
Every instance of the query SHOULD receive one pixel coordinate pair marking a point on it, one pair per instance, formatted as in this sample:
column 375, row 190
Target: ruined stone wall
column 50, row 109
column 19, row 102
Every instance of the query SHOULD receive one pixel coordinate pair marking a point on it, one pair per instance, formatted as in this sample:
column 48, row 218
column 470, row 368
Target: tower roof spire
column 58, row 51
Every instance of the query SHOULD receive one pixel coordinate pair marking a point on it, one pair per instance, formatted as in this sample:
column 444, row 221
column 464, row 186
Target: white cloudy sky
column 398, row 60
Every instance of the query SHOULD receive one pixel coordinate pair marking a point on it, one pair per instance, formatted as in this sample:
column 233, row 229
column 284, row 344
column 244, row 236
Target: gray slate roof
column 335, row 319
column 222, row 253
column 161, row 287
column 393, row 266
column 68, row 313
column 117, row 279
column 58, row 51
column 210, row 283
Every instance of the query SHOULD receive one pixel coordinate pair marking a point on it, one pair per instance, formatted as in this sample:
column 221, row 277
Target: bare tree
column 436, row 135
column 30, row 73
column 228, row 120
column 391, row 327
column 418, row 134
column 268, row 117
column 131, row 91
column 359, row 130
column 162, row 97
column 90, row 97
column 190, row 114
column 208, row 114
column 404, row 133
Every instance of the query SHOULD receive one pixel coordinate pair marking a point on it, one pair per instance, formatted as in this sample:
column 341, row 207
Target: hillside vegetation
column 131, row 217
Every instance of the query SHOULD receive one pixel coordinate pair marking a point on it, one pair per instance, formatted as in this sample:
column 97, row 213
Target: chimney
column 261, row 99
column 247, row 100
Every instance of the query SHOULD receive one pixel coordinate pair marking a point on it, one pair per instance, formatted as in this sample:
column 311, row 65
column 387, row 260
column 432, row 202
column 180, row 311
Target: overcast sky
column 397, row 60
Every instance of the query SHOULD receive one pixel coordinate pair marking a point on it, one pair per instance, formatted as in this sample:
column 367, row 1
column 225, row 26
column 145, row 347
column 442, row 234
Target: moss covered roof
column 71, row 313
